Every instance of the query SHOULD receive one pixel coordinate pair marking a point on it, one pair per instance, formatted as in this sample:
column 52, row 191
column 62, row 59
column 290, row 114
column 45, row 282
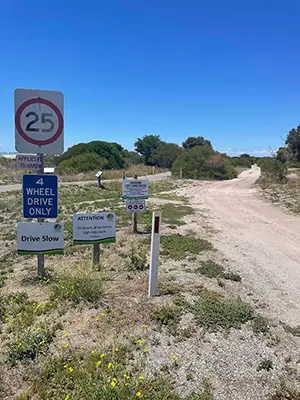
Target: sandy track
column 157, row 177
column 263, row 240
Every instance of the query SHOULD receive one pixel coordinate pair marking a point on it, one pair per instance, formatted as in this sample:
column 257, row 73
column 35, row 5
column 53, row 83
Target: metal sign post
column 134, row 217
column 41, row 257
column 96, row 255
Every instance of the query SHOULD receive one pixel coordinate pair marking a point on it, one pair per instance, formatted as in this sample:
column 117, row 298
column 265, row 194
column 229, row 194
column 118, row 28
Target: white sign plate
column 29, row 162
column 40, row 238
column 99, row 174
column 135, row 189
column 94, row 228
column 136, row 206
column 39, row 121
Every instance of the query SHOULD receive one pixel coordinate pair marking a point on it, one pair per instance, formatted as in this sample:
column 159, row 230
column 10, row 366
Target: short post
column 96, row 255
column 180, row 173
column 134, row 217
column 99, row 180
column 124, row 175
column 153, row 170
column 41, row 257
column 154, row 255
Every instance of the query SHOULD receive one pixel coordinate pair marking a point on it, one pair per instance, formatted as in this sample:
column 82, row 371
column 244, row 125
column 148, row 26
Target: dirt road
column 18, row 186
column 262, row 240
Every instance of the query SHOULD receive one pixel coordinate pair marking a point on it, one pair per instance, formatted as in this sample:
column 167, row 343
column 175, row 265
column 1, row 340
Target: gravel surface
column 259, row 237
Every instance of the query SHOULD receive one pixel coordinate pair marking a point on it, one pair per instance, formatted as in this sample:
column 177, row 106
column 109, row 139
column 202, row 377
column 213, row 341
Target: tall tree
column 165, row 154
column 194, row 141
column 293, row 143
column 146, row 146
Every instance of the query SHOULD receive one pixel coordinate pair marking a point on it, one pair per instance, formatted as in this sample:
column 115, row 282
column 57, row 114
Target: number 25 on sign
column 39, row 121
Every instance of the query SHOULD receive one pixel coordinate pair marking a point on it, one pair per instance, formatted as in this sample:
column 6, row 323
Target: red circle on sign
column 47, row 103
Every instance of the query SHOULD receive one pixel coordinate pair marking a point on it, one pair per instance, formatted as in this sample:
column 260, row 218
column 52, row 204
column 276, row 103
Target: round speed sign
column 30, row 122
column 39, row 121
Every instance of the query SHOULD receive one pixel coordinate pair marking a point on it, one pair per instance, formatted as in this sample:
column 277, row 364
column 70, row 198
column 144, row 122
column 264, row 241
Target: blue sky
column 227, row 70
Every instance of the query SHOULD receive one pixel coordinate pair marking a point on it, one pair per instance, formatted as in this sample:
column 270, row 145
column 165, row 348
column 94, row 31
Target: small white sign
column 135, row 189
column 136, row 206
column 94, row 228
column 99, row 174
column 40, row 238
column 39, row 121
column 29, row 162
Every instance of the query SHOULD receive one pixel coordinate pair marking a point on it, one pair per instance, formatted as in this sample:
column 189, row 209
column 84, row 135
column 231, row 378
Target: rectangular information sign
column 40, row 238
column 135, row 189
column 40, row 193
column 29, row 162
column 94, row 228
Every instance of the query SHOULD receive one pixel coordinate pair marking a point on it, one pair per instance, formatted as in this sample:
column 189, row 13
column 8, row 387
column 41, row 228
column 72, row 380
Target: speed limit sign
column 39, row 121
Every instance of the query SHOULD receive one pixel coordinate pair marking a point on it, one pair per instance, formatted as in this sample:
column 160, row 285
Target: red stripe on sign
column 156, row 224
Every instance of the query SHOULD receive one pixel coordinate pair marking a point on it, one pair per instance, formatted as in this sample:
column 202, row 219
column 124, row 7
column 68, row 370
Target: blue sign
column 40, row 193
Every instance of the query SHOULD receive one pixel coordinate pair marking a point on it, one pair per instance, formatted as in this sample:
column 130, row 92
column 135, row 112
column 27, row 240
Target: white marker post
column 154, row 255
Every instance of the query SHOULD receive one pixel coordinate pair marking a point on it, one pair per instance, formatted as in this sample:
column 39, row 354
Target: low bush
column 29, row 343
column 78, row 286
column 178, row 247
column 213, row 311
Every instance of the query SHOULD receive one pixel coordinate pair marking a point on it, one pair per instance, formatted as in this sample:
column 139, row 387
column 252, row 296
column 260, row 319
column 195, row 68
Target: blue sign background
column 40, row 196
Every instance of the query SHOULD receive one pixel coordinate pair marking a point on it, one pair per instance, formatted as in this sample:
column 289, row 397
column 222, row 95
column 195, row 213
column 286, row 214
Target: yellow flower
column 109, row 365
column 71, row 369
column 37, row 329
column 138, row 394
column 66, row 334
column 67, row 397
column 113, row 384
column 96, row 318
column 67, row 345
column 144, row 326
column 102, row 314
column 82, row 347
column 116, row 349
column 42, row 342
column 102, row 355
column 175, row 358
column 98, row 363
column 145, row 350
column 66, row 365
column 140, row 341
column 87, row 319
column 93, row 352
column 141, row 377
column 126, row 384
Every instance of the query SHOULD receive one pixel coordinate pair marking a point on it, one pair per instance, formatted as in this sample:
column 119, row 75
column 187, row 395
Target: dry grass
column 286, row 195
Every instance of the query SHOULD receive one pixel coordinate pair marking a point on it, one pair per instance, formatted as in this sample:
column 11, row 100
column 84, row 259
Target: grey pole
column 41, row 257
column 134, row 217
column 96, row 255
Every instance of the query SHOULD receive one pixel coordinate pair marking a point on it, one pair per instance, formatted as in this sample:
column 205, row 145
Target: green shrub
column 82, row 163
column 77, row 287
column 29, row 343
column 178, row 247
column 202, row 162
column 274, row 169
column 88, row 156
column 105, row 376
column 213, row 311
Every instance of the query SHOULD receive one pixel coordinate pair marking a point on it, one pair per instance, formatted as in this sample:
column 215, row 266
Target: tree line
column 196, row 157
